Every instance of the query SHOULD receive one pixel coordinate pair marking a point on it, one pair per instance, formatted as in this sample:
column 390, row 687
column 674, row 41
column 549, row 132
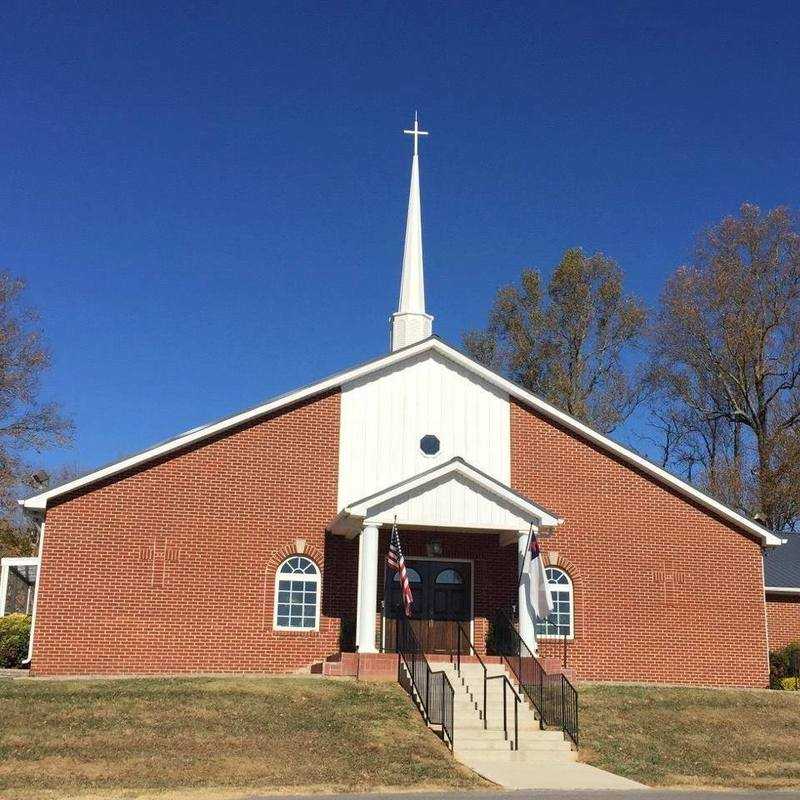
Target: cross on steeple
column 412, row 323
column 416, row 133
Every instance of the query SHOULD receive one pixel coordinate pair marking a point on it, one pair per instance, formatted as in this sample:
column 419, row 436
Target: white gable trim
column 39, row 501
column 378, row 507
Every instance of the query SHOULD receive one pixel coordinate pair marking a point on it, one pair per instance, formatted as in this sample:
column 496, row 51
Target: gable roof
column 435, row 345
column 782, row 567
column 516, row 512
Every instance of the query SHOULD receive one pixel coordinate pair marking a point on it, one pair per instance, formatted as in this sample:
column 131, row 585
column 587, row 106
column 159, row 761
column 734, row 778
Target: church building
column 258, row 543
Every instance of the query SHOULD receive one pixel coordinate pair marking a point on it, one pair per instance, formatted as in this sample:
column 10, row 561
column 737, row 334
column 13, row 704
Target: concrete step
column 528, row 740
column 499, row 743
column 478, row 735
column 489, row 739
column 496, row 724
column 519, row 757
column 495, row 709
column 469, row 669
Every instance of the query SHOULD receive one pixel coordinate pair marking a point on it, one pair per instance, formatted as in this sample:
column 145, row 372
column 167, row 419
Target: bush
column 15, row 631
column 784, row 666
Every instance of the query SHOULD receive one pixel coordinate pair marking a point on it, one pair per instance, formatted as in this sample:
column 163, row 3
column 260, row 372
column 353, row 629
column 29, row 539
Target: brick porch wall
column 663, row 591
column 783, row 618
column 172, row 568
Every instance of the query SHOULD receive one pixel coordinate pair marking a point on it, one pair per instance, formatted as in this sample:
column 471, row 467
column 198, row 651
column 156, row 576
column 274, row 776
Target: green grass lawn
column 693, row 737
column 146, row 736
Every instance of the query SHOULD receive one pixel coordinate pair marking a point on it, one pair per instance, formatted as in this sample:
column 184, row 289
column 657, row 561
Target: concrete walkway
column 645, row 794
column 6, row 672
column 539, row 776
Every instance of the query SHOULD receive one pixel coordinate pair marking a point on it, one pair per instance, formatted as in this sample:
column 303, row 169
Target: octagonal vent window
column 429, row 444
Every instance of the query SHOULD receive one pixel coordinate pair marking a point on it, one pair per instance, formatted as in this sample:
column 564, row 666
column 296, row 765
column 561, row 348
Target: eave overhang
column 433, row 344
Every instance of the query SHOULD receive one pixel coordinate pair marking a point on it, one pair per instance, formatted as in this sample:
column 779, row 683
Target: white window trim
column 5, row 566
column 317, row 577
column 561, row 586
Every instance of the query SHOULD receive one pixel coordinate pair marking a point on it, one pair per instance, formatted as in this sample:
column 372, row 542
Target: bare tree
column 27, row 426
column 567, row 343
column 727, row 348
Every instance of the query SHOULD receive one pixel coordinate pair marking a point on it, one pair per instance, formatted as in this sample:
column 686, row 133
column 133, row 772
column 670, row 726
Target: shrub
column 784, row 666
column 15, row 630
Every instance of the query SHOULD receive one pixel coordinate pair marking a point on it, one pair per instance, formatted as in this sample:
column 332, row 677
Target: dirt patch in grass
column 693, row 737
column 154, row 735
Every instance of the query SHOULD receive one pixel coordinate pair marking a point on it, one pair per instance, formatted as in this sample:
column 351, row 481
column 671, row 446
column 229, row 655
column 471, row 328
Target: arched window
column 449, row 576
column 297, row 595
column 411, row 573
column 562, row 619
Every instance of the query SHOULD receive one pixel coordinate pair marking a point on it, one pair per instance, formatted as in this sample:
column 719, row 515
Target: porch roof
column 451, row 495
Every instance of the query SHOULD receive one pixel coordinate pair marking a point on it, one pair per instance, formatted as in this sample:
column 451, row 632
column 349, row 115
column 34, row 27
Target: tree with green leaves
column 567, row 341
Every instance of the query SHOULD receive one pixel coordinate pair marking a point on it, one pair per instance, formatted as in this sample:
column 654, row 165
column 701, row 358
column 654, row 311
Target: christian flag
column 395, row 561
column 541, row 599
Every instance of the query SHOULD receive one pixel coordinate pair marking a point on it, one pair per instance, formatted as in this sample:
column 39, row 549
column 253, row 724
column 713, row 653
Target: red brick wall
column 663, row 591
column 172, row 568
column 783, row 619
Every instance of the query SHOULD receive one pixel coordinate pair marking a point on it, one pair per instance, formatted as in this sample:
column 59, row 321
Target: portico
column 454, row 499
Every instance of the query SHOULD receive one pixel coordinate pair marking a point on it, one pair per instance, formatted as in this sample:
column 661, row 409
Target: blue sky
column 208, row 200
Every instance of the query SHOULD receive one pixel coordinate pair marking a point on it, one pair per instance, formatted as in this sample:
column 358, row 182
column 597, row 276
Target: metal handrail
column 553, row 707
column 462, row 632
column 555, row 636
column 517, row 700
column 437, row 709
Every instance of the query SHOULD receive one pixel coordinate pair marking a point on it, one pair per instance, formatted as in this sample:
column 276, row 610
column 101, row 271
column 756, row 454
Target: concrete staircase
column 544, row 759
column 475, row 745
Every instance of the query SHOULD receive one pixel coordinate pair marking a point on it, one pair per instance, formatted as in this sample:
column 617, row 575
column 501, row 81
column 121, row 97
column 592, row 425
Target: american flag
column 535, row 551
column 395, row 560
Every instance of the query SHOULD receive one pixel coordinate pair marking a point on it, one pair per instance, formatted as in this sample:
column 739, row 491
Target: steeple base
column 408, row 328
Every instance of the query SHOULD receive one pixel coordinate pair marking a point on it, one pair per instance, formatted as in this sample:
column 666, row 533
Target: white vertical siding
column 384, row 416
column 452, row 502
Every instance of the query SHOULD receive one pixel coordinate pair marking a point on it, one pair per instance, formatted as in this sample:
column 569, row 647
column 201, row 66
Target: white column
column 526, row 614
column 367, row 588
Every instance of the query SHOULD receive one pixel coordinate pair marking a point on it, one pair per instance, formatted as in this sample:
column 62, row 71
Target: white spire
column 411, row 324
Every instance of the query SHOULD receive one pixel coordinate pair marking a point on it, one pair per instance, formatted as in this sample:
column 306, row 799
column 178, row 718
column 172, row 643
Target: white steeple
column 411, row 324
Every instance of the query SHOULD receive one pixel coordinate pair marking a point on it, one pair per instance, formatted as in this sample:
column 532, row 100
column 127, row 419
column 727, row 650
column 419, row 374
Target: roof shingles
column 782, row 565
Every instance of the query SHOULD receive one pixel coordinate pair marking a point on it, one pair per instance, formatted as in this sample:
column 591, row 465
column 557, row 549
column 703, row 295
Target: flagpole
column 387, row 596
column 525, row 557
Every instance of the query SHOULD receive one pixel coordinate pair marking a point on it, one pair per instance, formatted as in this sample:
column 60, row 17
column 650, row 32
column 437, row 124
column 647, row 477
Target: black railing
column 431, row 689
column 552, row 631
column 517, row 700
column 553, row 697
column 464, row 643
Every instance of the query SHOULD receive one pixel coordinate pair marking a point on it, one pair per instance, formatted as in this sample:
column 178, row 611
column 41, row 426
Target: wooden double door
column 442, row 593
